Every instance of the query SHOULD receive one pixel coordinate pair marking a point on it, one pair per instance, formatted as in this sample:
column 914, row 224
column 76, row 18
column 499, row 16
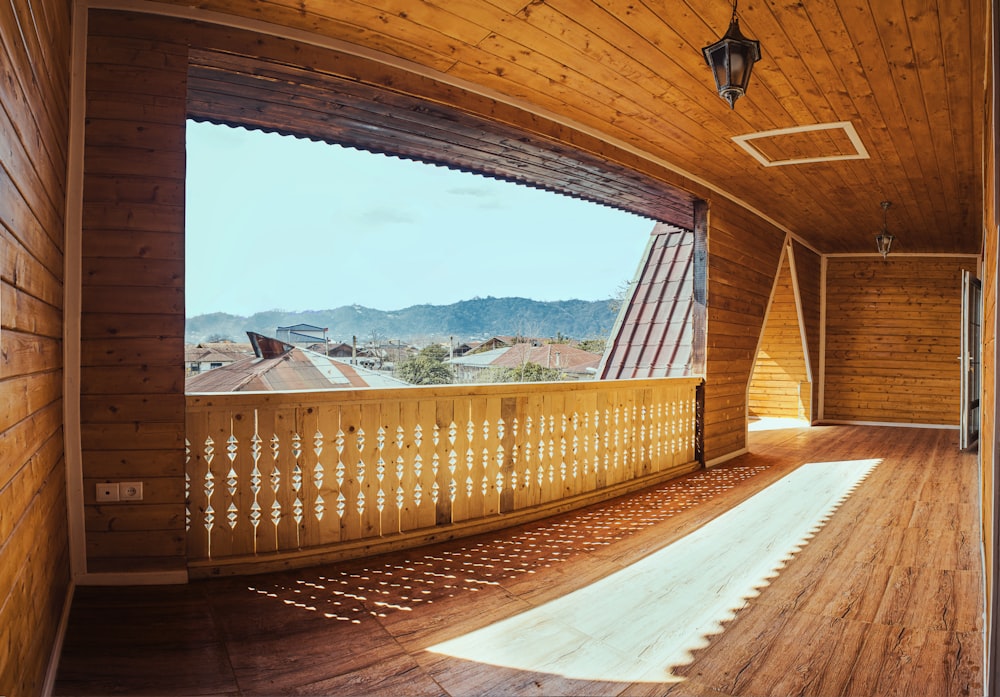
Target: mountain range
column 478, row 318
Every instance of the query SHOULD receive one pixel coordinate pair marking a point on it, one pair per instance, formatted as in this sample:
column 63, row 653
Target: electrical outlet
column 107, row 492
column 130, row 491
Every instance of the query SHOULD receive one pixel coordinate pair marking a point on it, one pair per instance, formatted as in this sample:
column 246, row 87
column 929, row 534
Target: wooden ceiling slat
column 888, row 140
column 910, row 115
column 957, row 19
column 350, row 22
column 926, row 56
column 626, row 106
column 722, row 153
column 792, row 29
column 908, row 74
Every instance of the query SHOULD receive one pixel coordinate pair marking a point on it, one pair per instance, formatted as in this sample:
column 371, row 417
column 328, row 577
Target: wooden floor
column 832, row 561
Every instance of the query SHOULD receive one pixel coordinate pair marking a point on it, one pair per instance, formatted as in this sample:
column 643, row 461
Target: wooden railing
column 280, row 479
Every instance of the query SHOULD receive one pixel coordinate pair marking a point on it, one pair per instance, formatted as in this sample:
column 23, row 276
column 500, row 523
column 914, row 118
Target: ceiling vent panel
column 823, row 142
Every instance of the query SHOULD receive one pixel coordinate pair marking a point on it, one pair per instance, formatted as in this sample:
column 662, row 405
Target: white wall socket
column 107, row 492
column 130, row 491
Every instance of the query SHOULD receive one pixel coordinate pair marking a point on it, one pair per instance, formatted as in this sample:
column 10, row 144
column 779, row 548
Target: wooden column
column 132, row 327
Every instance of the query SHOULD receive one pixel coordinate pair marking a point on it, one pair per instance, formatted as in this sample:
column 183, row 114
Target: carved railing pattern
column 280, row 472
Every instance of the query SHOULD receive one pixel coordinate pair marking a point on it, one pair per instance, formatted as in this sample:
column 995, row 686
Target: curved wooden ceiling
column 625, row 81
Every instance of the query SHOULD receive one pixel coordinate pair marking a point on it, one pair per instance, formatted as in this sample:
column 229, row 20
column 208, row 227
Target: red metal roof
column 654, row 334
column 288, row 368
column 560, row 356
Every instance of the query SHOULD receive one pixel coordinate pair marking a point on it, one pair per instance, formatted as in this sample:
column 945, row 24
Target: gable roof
column 281, row 367
column 558, row 356
column 654, row 333
column 302, row 328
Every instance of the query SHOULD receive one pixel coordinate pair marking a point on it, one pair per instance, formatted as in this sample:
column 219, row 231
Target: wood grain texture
column 34, row 576
column 989, row 403
column 780, row 384
column 882, row 597
column 634, row 73
column 372, row 468
column 892, row 339
column 743, row 256
column 132, row 380
column 808, row 276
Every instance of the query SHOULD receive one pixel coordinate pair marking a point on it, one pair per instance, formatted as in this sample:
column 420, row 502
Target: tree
column 436, row 352
column 621, row 295
column 427, row 367
column 593, row 345
column 527, row 372
column 374, row 348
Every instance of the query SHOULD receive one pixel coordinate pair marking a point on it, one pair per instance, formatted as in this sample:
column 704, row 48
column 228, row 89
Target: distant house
column 340, row 350
column 303, row 334
column 573, row 363
column 506, row 341
column 465, row 348
column 277, row 365
column 468, row 367
column 207, row 356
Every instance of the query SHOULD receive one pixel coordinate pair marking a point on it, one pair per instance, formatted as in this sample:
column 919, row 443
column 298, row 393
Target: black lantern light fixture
column 731, row 59
column 883, row 240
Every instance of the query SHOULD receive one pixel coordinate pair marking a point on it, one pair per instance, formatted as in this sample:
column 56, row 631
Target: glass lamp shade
column 884, row 242
column 731, row 59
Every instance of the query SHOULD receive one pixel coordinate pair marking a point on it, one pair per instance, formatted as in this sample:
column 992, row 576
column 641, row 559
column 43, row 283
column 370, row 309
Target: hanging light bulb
column 731, row 59
column 883, row 240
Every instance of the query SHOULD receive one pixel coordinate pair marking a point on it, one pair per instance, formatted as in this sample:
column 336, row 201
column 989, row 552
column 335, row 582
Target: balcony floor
column 834, row 560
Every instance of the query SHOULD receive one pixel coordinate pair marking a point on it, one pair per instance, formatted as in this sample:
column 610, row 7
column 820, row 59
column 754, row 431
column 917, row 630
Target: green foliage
column 425, row 370
column 593, row 345
column 435, row 352
column 529, row 372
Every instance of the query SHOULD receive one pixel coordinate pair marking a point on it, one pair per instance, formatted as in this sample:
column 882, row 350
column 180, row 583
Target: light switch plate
column 107, row 492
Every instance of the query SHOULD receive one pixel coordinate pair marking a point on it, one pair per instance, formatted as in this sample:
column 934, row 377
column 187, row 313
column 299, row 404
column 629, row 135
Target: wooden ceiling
column 625, row 81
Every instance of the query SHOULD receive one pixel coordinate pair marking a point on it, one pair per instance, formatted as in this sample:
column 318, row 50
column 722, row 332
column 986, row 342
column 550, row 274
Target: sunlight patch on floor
column 774, row 423
column 640, row 622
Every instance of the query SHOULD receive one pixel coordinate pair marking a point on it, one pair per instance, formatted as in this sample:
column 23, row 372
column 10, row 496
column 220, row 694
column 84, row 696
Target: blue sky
column 275, row 222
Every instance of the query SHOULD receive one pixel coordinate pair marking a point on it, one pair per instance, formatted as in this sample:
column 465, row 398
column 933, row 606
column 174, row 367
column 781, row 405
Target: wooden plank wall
column 892, row 339
column 132, row 372
column 743, row 256
column 988, row 403
column 807, row 267
column 34, row 546
column 780, row 383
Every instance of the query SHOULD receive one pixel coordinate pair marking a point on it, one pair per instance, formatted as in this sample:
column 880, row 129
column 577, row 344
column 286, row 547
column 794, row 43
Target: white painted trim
column 53, row 668
column 139, row 578
column 72, row 304
column 821, row 387
column 860, row 152
column 785, row 247
column 309, row 38
column 801, row 318
column 838, row 422
column 932, row 255
column 726, row 458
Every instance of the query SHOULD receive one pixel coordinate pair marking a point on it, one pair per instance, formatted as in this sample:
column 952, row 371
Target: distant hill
column 466, row 320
